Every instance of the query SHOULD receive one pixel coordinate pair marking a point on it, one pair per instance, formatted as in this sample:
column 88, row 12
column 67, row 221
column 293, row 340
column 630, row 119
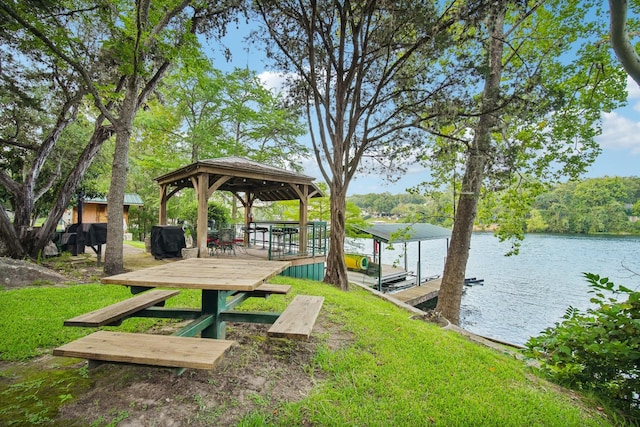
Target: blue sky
column 620, row 139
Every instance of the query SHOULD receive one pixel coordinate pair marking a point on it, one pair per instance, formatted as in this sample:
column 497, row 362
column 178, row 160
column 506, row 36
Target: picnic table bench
column 267, row 289
column 146, row 349
column 115, row 313
column 297, row 320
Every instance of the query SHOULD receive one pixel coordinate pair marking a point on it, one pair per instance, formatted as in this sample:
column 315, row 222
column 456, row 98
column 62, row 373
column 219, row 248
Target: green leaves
column 598, row 349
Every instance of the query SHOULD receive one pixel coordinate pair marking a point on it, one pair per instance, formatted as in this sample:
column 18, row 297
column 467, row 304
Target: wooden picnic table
column 225, row 283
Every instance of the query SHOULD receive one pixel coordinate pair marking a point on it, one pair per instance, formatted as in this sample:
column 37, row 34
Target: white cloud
column 621, row 128
column 633, row 88
column 633, row 91
column 274, row 81
column 620, row 133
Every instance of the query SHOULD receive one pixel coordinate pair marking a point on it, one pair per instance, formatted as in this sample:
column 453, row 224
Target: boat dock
column 419, row 294
column 399, row 285
column 390, row 274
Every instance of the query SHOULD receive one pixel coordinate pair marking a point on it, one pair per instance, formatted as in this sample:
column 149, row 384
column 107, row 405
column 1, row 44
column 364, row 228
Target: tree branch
column 59, row 53
column 620, row 39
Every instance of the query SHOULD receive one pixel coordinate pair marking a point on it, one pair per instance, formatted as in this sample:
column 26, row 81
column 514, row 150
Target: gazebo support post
column 201, row 230
column 304, row 204
column 162, row 220
column 248, row 206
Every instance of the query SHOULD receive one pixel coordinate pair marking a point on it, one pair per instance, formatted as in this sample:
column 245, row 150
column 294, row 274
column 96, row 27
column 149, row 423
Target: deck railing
column 287, row 239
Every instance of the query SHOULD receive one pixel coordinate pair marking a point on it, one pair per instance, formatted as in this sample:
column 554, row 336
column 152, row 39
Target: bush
column 597, row 350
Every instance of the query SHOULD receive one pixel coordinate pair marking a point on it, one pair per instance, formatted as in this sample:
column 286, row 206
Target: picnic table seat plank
column 297, row 320
column 147, row 349
column 267, row 289
column 118, row 311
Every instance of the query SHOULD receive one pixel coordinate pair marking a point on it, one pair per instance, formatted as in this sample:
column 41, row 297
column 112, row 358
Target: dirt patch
column 257, row 375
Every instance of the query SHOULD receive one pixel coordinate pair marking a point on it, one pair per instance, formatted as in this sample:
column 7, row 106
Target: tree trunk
column 113, row 256
column 9, row 237
column 336, row 273
column 450, row 296
column 27, row 243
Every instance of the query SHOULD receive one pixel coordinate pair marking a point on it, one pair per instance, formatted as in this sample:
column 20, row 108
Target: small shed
column 246, row 179
column 94, row 209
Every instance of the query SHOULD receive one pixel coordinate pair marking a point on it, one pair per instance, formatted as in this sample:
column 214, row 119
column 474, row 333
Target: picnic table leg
column 214, row 302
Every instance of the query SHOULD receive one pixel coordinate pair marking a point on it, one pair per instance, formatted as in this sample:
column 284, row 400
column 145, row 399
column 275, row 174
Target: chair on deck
column 225, row 240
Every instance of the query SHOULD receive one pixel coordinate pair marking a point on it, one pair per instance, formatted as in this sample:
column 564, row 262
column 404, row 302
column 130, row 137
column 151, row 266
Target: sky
column 619, row 141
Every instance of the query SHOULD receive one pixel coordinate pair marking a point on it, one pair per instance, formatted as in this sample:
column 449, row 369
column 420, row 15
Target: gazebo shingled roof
column 267, row 183
column 246, row 179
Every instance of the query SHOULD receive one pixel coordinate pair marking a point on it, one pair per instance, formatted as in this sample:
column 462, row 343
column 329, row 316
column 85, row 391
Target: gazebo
column 246, row 179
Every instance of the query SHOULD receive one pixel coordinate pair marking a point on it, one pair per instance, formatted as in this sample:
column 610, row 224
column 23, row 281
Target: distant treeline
column 589, row 206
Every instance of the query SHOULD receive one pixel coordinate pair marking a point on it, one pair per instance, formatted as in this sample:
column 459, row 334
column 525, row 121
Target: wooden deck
column 396, row 277
column 419, row 294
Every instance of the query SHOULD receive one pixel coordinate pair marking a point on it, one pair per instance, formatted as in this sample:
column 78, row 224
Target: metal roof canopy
column 131, row 199
column 266, row 183
column 406, row 232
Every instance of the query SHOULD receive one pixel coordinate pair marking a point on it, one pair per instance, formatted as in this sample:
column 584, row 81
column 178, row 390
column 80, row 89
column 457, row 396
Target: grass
column 134, row 243
column 406, row 372
column 397, row 371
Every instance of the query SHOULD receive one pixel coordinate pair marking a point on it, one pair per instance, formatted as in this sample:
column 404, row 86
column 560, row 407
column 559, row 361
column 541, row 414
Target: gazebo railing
column 287, row 239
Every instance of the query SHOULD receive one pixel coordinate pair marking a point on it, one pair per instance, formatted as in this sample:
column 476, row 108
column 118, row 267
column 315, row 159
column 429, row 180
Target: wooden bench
column 115, row 313
column 146, row 349
column 267, row 289
column 297, row 320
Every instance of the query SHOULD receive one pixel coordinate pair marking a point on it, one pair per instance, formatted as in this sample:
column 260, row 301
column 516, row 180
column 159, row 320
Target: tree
column 450, row 294
column 118, row 53
column 146, row 50
column 534, row 122
column 535, row 222
column 349, row 64
column 203, row 113
column 211, row 114
column 42, row 97
column 594, row 205
column 619, row 33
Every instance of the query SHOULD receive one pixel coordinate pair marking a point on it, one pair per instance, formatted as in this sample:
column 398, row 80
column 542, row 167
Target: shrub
column 597, row 350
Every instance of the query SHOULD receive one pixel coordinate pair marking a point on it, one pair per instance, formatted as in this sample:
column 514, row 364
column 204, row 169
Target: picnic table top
column 228, row 274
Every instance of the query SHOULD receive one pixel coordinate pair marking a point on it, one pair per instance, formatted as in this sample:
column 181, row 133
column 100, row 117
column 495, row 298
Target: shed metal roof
column 406, row 232
column 129, row 199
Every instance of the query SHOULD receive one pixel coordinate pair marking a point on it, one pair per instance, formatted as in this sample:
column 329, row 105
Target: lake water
column 524, row 294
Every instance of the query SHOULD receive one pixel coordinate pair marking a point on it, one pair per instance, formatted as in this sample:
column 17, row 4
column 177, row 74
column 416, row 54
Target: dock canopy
column 406, row 232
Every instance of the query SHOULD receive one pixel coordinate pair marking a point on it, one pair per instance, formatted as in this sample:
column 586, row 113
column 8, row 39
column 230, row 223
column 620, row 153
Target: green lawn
column 396, row 372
